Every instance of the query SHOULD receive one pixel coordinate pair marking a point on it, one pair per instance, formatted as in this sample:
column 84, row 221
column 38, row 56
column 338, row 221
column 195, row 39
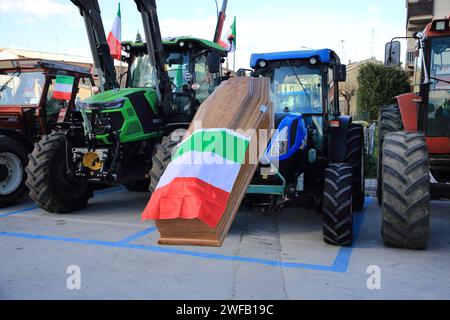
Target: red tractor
column 35, row 97
column 414, row 136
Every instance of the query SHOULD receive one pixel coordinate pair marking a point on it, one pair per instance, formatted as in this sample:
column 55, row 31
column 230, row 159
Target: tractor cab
column 436, row 89
column 193, row 67
column 315, row 156
column 36, row 94
column 304, row 88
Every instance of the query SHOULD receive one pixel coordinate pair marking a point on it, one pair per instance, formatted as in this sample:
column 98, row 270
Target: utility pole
column 342, row 49
column 372, row 41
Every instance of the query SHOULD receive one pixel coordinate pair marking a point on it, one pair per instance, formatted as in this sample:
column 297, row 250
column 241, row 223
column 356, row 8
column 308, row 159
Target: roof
column 177, row 40
column 323, row 54
column 39, row 63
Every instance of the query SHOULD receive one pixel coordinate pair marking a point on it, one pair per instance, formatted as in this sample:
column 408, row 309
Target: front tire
column 13, row 160
column 355, row 157
column 47, row 177
column 406, row 191
column 337, row 205
column 162, row 158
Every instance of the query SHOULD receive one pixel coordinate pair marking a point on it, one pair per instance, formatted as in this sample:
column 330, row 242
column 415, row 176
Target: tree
column 378, row 86
column 348, row 97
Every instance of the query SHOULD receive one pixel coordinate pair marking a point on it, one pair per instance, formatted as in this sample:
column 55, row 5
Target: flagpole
column 234, row 61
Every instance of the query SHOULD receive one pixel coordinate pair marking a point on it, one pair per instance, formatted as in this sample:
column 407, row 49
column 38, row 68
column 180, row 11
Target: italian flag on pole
column 63, row 88
column 115, row 36
column 228, row 41
column 198, row 181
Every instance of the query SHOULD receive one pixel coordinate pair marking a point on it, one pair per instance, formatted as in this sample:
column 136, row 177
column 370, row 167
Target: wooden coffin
column 239, row 103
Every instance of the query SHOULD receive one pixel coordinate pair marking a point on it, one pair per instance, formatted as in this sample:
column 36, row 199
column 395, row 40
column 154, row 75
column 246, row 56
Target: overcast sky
column 262, row 26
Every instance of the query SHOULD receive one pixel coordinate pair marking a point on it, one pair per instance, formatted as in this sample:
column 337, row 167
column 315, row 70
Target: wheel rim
column 12, row 173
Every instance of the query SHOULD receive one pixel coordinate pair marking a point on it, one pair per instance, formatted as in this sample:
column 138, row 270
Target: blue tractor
column 315, row 159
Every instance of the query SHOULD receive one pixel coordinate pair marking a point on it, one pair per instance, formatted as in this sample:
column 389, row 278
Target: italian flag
column 228, row 41
column 63, row 88
column 115, row 36
column 198, row 181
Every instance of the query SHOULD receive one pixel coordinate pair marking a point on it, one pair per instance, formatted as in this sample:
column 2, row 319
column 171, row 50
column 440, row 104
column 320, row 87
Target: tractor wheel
column 337, row 204
column 47, row 179
column 390, row 120
column 13, row 160
column 355, row 157
column 160, row 161
column 406, row 190
column 137, row 185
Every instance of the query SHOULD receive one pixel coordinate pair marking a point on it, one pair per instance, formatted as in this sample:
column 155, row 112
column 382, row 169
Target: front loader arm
column 155, row 48
column 103, row 62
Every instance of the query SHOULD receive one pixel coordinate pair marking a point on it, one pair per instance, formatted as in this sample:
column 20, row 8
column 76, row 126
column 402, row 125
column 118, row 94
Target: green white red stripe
column 115, row 36
column 228, row 41
column 199, row 180
column 63, row 87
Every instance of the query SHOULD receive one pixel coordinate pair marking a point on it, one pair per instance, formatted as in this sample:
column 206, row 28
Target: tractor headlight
column 278, row 148
column 262, row 63
column 107, row 105
column 280, row 144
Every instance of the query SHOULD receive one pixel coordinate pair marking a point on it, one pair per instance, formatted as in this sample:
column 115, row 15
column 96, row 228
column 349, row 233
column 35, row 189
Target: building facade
column 419, row 14
column 348, row 90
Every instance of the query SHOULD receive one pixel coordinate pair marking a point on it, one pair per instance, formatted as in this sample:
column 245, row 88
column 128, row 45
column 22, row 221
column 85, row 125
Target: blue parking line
column 343, row 258
column 138, row 235
column 210, row 256
column 18, row 212
column 340, row 264
column 96, row 193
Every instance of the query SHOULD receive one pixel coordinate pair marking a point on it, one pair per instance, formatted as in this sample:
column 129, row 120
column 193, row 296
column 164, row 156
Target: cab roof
column 177, row 40
column 31, row 64
column 325, row 56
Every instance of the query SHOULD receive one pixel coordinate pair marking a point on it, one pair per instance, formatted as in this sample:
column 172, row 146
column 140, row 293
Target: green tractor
column 112, row 136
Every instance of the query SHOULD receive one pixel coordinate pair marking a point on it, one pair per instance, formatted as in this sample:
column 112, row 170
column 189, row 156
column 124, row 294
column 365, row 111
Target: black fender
column 337, row 139
column 18, row 136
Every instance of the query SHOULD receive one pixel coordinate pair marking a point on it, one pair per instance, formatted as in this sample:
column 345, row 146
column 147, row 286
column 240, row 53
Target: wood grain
column 235, row 104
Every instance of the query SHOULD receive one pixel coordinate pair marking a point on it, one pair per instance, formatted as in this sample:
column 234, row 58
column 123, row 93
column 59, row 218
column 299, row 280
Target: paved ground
column 264, row 257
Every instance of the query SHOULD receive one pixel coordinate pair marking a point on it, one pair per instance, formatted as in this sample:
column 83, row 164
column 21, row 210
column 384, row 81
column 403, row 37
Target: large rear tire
column 47, row 178
column 13, row 160
column 390, row 120
column 337, row 205
column 355, row 157
column 406, row 190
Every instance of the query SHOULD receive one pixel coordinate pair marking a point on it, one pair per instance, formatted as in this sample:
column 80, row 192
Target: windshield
column 142, row 72
column 178, row 71
column 203, row 78
column 21, row 88
column 297, row 89
column 439, row 104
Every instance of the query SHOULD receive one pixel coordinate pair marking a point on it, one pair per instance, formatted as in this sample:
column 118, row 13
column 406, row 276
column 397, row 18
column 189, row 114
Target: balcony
column 420, row 8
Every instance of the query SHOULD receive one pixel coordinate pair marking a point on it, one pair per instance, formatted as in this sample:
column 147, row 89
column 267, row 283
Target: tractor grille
column 133, row 128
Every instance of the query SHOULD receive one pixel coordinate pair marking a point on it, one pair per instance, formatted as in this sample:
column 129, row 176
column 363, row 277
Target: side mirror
column 392, row 54
column 342, row 73
column 213, row 59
